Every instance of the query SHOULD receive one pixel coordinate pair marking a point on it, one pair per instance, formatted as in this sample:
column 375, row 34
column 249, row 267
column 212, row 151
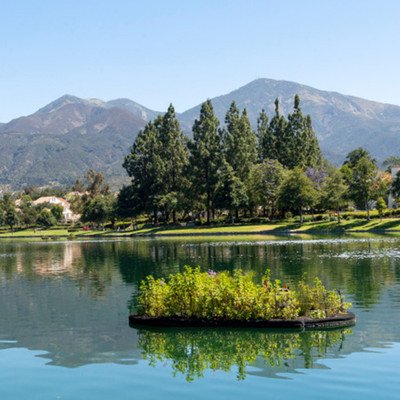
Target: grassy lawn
column 312, row 227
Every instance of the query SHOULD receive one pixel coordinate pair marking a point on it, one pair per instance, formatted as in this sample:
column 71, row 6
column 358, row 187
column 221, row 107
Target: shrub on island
column 211, row 295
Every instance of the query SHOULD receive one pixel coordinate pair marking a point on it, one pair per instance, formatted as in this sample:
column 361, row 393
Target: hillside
column 65, row 138
column 342, row 123
column 61, row 141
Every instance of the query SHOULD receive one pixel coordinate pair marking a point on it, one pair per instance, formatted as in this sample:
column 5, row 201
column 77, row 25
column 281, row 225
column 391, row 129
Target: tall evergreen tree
column 231, row 191
column 205, row 154
column 174, row 153
column 277, row 129
column 146, row 167
column 266, row 138
column 302, row 144
column 296, row 136
column 240, row 142
column 312, row 156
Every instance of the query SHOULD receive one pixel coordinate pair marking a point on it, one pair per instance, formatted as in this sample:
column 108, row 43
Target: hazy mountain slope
column 341, row 122
column 60, row 142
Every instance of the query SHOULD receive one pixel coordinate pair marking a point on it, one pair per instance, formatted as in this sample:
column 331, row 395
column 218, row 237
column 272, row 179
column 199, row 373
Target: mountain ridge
column 62, row 140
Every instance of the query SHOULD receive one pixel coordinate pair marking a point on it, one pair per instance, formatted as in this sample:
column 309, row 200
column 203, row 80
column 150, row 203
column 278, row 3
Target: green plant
column 318, row 302
column 195, row 294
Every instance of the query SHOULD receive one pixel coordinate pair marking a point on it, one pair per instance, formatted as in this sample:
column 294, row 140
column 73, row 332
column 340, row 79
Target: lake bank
column 391, row 225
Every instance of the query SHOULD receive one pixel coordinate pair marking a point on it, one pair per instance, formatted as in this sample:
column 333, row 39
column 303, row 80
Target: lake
column 64, row 331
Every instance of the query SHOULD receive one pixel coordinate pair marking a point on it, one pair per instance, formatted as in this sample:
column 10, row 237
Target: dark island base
column 301, row 323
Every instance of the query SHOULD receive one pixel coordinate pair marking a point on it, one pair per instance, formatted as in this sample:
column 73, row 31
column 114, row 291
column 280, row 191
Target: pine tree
column 146, row 168
column 240, row 142
column 301, row 143
column 295, row 136
column 266, row 139
column 312, row 156
column 277, row 128
column 205, row 154
column 175, row 155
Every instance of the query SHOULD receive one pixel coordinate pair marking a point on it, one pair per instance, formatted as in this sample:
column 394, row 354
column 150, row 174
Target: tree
column 98, row 210
column 302, row 145
column 78, row 186
column 278, row 139
column 356, row 155
column 335, row 191
column 318, row 177
column 363, row 181
column 239, row 144
column 11, row 216
column 263, row 184
column 96, row 183
column 266, row 138
column 146, row 166
column 395, row 186
column 29, row 216
column 29, row 213
column 205, row 155
column 231, row 192
column 58, row 212
column 46, row 219
column 175, row 155
column 380, row 206
column 126, row 205
column 297, row 192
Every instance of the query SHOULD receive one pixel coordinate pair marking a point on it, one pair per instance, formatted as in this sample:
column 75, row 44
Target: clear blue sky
column 157, row 52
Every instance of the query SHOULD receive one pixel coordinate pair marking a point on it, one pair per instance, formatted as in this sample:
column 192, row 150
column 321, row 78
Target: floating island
column 210, row 299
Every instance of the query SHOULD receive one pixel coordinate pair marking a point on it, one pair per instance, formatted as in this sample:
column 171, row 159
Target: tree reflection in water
column 191, row 352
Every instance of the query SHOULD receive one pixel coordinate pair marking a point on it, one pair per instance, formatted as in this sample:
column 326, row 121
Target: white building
column 67, row 212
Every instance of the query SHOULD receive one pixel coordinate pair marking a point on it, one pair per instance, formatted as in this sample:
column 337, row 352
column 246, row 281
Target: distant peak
column 60, row 102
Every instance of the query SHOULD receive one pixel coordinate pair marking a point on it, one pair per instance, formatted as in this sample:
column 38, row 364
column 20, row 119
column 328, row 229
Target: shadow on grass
column 389, row 224
column 287, row 227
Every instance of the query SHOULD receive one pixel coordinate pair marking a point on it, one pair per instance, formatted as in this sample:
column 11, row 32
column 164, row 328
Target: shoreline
column 272, row 232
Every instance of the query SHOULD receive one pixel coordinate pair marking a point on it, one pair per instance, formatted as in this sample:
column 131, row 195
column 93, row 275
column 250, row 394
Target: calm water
column 64, row 329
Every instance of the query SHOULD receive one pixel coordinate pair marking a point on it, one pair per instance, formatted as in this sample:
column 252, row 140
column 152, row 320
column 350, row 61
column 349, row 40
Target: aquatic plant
column 195, row 294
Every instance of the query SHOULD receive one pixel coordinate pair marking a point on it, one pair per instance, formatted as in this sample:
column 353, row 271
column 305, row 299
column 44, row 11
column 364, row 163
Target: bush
column 325, row 218
column 211, row 295
column 258, row 220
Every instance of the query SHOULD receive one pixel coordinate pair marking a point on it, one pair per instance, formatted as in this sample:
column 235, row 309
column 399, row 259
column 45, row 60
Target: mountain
column 135, row 108
column 62, row 140
column 342, row 123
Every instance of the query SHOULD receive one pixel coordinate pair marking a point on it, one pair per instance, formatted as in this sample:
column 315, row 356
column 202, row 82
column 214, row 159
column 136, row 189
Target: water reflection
column 191, row 352
column 71, row 300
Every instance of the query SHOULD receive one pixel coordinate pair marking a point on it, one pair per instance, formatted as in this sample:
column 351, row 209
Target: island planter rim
column 300, row 323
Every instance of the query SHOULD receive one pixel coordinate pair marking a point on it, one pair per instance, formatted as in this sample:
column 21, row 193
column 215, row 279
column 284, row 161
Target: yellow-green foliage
column 211, row 295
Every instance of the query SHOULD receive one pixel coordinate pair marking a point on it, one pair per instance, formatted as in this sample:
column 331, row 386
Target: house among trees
column 67, row 212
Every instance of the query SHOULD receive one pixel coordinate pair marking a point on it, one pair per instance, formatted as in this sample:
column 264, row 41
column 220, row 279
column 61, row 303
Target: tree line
column 231, row 168
column 230, row 171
